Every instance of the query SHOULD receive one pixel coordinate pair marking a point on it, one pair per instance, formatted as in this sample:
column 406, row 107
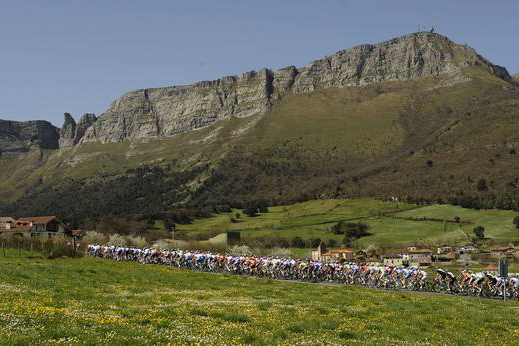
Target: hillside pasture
column 391, row 224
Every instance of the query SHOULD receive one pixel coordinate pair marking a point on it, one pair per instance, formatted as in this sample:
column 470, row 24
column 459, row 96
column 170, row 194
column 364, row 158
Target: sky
column 79, row 56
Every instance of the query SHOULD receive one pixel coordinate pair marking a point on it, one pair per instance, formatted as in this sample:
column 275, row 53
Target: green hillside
column 129, row 303
column 447, row 139
column 391, row 224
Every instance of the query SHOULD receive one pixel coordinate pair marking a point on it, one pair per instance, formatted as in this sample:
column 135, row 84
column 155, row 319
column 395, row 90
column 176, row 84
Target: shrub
column 332, row 243
column 482, row 185
column 251, row 211
column 280, row 252
column 516, row 222
column 117, row 240
column 240, row 250
column 298, row 242
column 136, row 241
column 60, row 248
column 479, row 231
column 94, row 237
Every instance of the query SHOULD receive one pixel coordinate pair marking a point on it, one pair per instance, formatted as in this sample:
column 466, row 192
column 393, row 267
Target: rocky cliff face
column 150, row 113
column 87, row 120
column 68, row 132
column 71, row 133
column 18, row 136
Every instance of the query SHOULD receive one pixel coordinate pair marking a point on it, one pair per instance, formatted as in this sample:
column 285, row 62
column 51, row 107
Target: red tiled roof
column 38, row 220
column 22, row 228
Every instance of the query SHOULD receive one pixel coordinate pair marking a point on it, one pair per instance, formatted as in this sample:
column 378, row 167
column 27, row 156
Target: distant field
column 391, row 223
column 94, row 301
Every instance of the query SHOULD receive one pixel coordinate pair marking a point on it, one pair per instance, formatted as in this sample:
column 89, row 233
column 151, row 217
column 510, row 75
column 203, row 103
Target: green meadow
column 391, row 223
column 92, row 301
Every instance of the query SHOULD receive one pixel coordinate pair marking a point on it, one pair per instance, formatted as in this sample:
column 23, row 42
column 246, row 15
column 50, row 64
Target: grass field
column 391, row 223
column 93, row 301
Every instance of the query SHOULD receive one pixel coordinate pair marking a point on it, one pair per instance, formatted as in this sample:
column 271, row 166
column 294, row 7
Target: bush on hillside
column 516, row 222
column 297, row 242
column 117, row 240
column 136, row 241
column 479, row 231
column 240, row 250
column 280, row 252
column 94, row 237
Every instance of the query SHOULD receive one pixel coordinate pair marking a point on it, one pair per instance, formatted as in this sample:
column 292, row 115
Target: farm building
column 40, row 226
column 467, row 248
column 6, row 222
column 393, row 261
column 503, row 252
column 443, row 249
column 418, row 257
column 336, row 255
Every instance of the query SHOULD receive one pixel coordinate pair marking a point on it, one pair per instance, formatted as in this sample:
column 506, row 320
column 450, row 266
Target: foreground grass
column 93, row 301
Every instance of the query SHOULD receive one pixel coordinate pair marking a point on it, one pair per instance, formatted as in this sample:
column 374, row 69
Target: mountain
column 418, row 117
column 162, row 112
column 20, row 137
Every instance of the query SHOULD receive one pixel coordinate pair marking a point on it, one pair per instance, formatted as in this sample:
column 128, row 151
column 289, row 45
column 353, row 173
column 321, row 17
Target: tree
column 263, row 209
column 332, row 243
column 347, row 242
column 117, row 240
column 482, row 185
column 297, row 242
column 356, row 230
column 479, row 231
column 338, row 228
column 516, row 222
column 251, row 211
column 315, row 242
column 93, row 237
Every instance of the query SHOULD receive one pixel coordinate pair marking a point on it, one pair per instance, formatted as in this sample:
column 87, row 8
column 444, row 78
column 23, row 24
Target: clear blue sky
column 78, row 56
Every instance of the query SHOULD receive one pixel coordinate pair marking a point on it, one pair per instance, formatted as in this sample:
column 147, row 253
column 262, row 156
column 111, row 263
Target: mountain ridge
column 166, row 111
column 432, row 137
column 162, row 112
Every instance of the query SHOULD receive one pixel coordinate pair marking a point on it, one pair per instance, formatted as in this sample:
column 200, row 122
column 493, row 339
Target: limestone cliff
column 87, row 120
column 71, row 133
column 158, row 112
column 68, row 132
column 16, row 136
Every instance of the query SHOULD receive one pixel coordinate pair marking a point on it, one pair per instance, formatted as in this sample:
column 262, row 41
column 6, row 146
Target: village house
column 41, row 226
column 499, row 252
column 466, row 251
column 336, row 255
column 444, row 249
column 393, row 261
column 446, row 257
column 467, row 248
column 6, row 222
column 418, row 257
